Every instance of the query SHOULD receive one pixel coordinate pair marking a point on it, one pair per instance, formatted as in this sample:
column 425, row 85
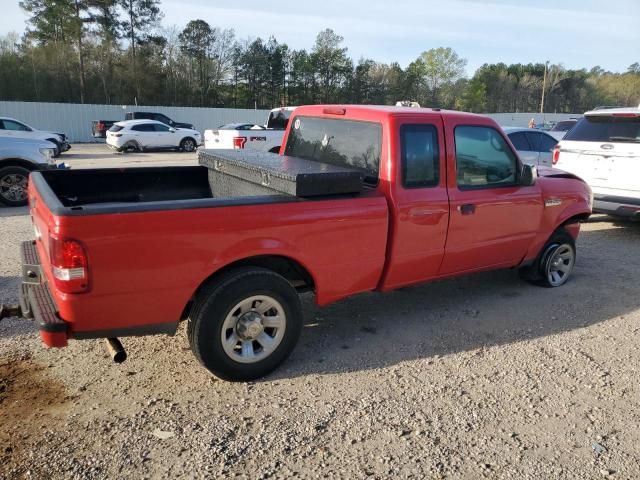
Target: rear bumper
column 36, row 301
column 628, row 207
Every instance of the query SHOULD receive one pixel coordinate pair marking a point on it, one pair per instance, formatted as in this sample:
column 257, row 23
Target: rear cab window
column 606, row 128
column 419, row 155
column 483, row 158
column 344, row 143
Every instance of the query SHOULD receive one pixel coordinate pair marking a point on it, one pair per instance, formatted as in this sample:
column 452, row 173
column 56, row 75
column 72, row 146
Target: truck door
column 419, row 206
column 493, row 218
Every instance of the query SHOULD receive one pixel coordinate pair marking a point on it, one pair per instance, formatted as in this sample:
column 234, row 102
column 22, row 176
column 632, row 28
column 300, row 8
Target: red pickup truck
column 135, row 251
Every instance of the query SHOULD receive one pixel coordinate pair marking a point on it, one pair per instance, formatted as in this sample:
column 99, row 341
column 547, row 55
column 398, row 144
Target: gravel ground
column 479, row 377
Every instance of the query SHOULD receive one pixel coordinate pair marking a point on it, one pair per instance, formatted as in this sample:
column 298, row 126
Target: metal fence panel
column 75, row 119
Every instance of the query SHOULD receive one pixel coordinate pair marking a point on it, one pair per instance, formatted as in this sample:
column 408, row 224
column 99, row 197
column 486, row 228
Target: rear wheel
column 188, row 145
column 130, row 147
column 555, row 262
column 13, row 186
column 245, row 324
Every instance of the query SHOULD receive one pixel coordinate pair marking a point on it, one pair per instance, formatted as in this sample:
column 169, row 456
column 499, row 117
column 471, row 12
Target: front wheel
column 245, row 324
column 555, row 263
column 13, row 186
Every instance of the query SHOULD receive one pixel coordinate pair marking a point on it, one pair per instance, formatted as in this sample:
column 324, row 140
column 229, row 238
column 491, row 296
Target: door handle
column 467, row 208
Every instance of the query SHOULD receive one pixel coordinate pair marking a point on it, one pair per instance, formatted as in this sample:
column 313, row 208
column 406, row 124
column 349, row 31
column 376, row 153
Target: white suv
column 604, row 149
column 138, row 135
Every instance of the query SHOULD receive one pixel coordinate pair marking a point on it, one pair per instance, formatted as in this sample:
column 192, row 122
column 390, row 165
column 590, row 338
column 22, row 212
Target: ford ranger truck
column 135, row 251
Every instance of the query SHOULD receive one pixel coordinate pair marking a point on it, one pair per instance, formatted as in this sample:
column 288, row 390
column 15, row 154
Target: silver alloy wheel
column 253, row 329
column 13, row 187
column 560, row 265
column 188, row 145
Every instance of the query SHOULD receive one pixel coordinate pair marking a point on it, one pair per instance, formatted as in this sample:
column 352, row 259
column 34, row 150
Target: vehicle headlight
column 48, row 154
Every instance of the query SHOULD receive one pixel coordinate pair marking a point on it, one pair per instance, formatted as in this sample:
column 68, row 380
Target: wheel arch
column 17, row 162
column 289, row 268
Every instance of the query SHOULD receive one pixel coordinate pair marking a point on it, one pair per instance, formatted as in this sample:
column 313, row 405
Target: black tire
column 58, row 150
column 541, row 271
column 13, row 186
column 130, row 147
column 188, row 145
column 215, row 305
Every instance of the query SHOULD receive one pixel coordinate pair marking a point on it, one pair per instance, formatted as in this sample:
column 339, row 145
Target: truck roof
column 382, row 110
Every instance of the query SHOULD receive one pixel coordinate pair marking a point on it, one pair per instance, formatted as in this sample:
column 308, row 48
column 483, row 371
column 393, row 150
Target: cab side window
column 420, row 157
column 483, row 158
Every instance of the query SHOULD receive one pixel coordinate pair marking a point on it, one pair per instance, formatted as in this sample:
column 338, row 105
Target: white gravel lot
column 479, row 377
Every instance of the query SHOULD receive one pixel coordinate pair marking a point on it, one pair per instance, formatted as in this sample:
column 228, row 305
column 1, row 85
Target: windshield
column 279, row 119
column 606, row 128
column 344, row 143
column 115, row 128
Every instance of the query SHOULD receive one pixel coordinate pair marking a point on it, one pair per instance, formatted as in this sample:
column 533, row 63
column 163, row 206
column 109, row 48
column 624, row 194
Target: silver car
column 19, row 157
column 534, row 146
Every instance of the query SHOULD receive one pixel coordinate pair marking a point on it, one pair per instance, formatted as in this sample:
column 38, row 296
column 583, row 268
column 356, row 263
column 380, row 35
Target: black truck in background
column 99, row 127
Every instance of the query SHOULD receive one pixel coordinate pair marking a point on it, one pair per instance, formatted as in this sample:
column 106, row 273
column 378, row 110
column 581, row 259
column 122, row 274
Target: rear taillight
column 238, row 142
column 69, row 264
column 556, row 155
column 116, row 134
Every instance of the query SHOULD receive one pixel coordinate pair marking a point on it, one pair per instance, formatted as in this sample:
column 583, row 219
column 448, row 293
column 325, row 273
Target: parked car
column 18, row 158
column 533, row 146
column 267, row 138
column 99, row 128
column 139, row 135
column 133, row 251
column 564, row 125
column 10, row 127
column 604, row 149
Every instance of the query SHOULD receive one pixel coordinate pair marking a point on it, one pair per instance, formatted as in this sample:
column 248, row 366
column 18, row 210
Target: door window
column 520, row 141
column 160, row 127
column 15, row 126
column 483, row 158
column 420, row 158
column 143, row 127
column 547, row 142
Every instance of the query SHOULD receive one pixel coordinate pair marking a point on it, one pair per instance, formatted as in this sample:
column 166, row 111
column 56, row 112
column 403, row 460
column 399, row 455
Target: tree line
column 116, row 52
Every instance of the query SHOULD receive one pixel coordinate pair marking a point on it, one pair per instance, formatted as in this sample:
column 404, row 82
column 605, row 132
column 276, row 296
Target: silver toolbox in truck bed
column 244, row 172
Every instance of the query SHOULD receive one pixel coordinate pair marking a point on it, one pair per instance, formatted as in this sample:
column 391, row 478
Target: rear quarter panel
column 144, row 267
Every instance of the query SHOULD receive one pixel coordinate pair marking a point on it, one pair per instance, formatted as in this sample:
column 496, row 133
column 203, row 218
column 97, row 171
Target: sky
column 575, row 33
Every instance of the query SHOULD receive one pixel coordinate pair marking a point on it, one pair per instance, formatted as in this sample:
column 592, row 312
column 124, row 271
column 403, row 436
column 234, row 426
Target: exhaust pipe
column 116, row 350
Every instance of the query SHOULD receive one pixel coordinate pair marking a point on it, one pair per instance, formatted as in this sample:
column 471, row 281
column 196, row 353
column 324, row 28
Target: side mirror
column 528, row 175
column 172, row 130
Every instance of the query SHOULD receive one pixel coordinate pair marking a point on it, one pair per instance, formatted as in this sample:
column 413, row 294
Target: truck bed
column 75, row 192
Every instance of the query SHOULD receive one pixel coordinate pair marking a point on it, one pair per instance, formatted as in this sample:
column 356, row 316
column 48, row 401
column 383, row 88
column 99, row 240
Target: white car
column 267, row 138
column 10, row 127
column 139, row 135
column 534, row 147
column 604, row 149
